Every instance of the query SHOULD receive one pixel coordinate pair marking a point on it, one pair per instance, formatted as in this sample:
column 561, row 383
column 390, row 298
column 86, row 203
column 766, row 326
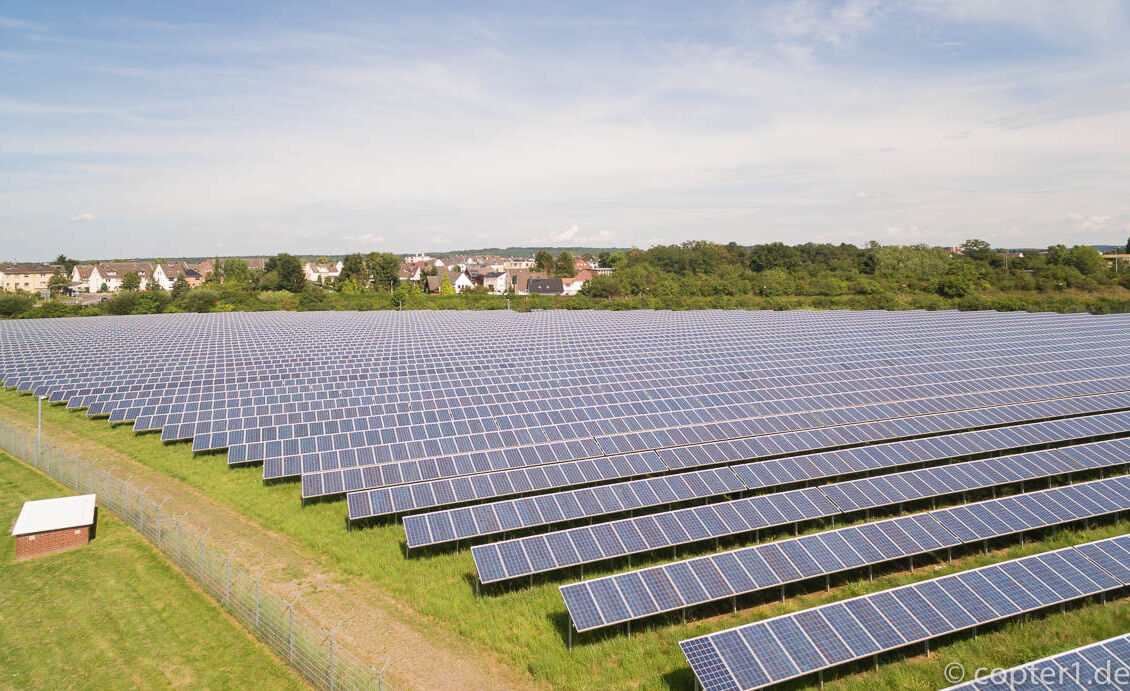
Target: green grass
column 113, row 614
column 526, row 625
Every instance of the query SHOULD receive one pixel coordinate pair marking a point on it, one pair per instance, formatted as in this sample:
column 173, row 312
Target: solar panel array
column 546, row 509
column 471, row 424
column 671, row 587
column 1102, row 665
column 793, row 645
column 589, row 544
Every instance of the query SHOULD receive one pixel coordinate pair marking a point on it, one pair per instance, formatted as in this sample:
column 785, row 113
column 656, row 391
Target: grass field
column 526, row 625
column 113, row 614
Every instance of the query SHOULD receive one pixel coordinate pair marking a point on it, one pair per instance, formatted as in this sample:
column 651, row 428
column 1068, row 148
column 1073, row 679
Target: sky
column 150, row 129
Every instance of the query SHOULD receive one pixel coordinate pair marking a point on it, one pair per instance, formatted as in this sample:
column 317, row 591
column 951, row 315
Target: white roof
column 55, row 514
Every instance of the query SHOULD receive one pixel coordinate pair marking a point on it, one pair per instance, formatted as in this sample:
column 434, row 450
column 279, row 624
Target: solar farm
column 647, row 484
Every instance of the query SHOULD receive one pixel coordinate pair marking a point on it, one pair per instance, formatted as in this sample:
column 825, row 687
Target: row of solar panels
column 588, row 351
column 524, row 556
column 242, row 386
column 335, row 413
column 485, row 486
column 102, row 409
column 591, row 418
column 703, row 446
column 50, row 349
column 591, row 502
column 794, row 645
column 638, row 594
column 1102, row 665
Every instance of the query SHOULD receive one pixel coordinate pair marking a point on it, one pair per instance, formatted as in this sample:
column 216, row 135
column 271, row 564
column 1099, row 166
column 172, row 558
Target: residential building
column 520, row 278
column 89, row 278
column 497, row 282
column 30, row 278
column 322, row 273
column 410, row 272
column 459, row 280
column 545, row 286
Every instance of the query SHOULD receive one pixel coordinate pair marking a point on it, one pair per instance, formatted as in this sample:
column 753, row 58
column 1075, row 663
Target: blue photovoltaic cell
column 870, row 624
column 755, row 568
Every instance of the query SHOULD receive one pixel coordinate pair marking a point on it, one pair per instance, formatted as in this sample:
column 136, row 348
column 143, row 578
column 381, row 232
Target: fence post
column 381, row 674
column 227, row 577
column 258, row 587
column 159, row 521
column 333, row 632
column 180, row 539
column 290, row 627
column 202, row 557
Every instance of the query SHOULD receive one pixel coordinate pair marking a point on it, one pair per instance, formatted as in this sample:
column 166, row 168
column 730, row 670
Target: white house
column 89, row 278
column 497, row 282
column 324, row 272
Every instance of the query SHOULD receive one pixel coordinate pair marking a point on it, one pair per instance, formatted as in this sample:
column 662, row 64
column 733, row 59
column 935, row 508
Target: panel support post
column 570, row 627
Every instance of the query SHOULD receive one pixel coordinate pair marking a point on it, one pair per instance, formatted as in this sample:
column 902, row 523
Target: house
column 419, row 259
column 572, row 286
column 516, row 264
column 545, row 286
column 53, row 525
column 30, row 278
column 520, row 278
column 89, row 278
column 410, row 272
column 321, row 273
column 85, row 279
column 255, row 263
column 113, row 272
column 497, row 282
column 459, row 281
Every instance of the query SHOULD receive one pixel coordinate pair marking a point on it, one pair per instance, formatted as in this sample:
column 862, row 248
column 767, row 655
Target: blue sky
column 151, row 129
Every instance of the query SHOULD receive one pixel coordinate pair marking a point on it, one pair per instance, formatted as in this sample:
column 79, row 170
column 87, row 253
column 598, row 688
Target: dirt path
column 373, row 626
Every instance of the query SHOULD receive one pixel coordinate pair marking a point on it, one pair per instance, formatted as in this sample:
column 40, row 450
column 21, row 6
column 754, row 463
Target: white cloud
column 81, row 218
column 365, row 239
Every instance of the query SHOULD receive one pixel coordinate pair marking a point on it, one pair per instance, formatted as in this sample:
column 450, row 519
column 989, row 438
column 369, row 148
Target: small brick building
column 53, row 525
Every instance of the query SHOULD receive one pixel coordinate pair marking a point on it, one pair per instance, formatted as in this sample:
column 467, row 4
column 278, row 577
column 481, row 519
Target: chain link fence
column 309, row 648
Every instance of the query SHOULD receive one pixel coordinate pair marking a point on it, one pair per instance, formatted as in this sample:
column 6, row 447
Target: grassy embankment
column 526, row 624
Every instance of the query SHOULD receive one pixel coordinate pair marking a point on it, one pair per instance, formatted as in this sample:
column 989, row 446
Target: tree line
column 691, row 275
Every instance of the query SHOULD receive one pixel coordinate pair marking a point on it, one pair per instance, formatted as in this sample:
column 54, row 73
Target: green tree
column 131, row 281
column 445, row 287
column 565, row 265
column 67, row 263
column 13, row 304
column 58, row 283
column 289, row 272
column 103, row 288
column 543, row 261
column 180, row 288
column 1086, row 259
column 775, row 255
column 603, row 286
column 383, row 268
column 977, row 250
column 1128, row 245
column 153, row 285
column 353, row 268
column 201, row 300
column 236, row 273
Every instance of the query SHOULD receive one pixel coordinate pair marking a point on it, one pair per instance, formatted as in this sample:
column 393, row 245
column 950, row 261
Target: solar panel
column 713, row 482
column 752, row 569
column 1105, row 664
column 740, row 516
column 801, row 643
